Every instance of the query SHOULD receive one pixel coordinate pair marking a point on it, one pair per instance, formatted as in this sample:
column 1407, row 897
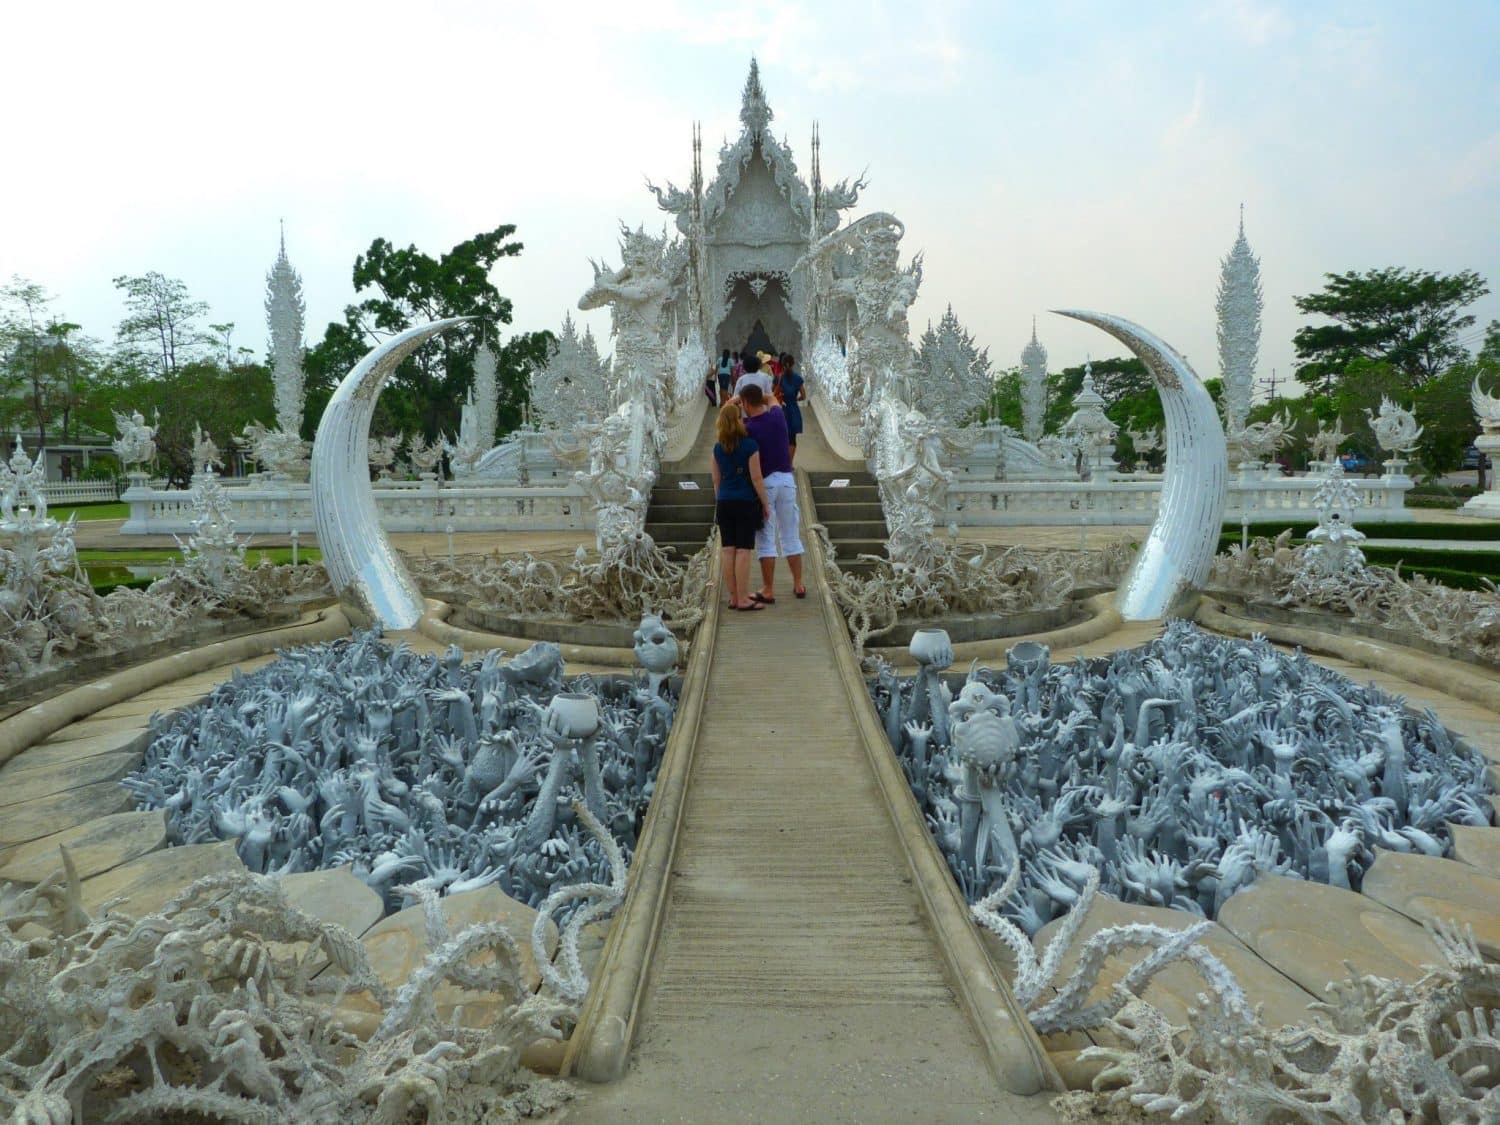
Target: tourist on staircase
column 726, row 377
column 793, row 393
column 780, row 535
column 741, row 505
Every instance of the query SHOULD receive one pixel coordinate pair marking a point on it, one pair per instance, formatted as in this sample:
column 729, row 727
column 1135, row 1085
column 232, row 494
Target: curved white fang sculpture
column 362, row 565
column 1185, row 537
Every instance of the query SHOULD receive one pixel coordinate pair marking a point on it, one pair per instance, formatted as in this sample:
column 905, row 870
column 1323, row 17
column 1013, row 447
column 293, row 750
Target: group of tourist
column 755, row 493
column 787, row 385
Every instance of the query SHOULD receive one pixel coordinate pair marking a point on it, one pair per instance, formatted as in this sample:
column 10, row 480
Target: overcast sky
column 1092, row 155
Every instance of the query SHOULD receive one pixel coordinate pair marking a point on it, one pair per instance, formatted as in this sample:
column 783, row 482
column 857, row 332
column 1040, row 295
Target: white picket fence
column 79, row 491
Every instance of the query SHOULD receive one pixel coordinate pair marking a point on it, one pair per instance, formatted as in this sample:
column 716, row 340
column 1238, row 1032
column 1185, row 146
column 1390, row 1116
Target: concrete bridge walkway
column 796, row 977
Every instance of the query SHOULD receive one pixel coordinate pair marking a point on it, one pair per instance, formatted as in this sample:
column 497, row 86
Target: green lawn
column 89, row 511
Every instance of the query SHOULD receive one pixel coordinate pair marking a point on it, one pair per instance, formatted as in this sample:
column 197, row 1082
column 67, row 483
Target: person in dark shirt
column 793, row 393
column 780, row 535
column 740, row 502
column 726, row 377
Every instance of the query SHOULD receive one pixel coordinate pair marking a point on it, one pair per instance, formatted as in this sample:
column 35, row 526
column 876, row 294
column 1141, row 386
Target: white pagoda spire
column 486, row 397
column 755, row 111
column 1033, row 388
column 285, row 310
column 1239, row 306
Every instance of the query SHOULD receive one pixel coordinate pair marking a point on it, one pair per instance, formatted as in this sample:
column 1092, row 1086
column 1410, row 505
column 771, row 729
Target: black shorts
column 738, row 522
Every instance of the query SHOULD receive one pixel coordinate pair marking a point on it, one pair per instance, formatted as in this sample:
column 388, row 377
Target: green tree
column 221, row 398
column 407, row 287
column 1409, row 319
column 45, row 363
column 161, row 322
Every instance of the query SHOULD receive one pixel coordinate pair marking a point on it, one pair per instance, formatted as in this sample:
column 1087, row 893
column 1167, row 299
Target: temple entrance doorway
column 758, row 317
column 759, row 342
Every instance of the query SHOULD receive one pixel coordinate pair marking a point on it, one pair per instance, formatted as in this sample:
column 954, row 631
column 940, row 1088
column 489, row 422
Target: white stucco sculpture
column 361, row 563
column 136, row 444
column 1238, row 306
column 1396, row 429
column 1184, row 538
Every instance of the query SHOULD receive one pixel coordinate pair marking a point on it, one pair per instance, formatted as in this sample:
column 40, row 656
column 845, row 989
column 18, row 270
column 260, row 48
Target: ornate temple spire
column 1239, row 306
column 285, row 311
column 755, row 111
column 1033, row 388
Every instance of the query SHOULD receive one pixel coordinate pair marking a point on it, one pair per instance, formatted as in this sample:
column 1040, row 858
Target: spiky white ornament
column 1239, row 306
column 955, row 373
column 1033, row 389
column 285, row 313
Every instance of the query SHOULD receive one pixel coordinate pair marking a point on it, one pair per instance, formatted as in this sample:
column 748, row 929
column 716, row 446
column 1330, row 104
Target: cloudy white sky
column 1089, row 155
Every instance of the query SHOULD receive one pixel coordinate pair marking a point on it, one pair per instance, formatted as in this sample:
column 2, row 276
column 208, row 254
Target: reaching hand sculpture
column 437, row 773
column 1168, row 771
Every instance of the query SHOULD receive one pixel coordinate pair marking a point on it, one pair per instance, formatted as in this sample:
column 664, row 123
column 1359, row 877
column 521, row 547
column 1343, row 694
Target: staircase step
column 821, row 478
column 841, row 530
column 837, row 512
column 854, row 494
column 848, row 548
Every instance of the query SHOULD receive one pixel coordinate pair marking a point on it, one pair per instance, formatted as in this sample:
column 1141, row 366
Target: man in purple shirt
column 780, row 533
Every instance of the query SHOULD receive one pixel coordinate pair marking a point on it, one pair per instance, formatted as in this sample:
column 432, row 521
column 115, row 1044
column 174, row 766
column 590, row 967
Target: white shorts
column 781, row 491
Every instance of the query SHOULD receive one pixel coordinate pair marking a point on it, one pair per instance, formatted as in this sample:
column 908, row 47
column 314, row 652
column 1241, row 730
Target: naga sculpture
column 1396, row 429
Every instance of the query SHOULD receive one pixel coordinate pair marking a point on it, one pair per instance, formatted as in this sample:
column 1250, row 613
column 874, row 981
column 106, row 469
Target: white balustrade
column 80, row 491
column 278, row 508
column 976, row 503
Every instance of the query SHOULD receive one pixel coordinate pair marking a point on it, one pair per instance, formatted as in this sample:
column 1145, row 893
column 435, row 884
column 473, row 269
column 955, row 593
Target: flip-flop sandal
column 800, row 593
column 762, row 599
column 751, row 608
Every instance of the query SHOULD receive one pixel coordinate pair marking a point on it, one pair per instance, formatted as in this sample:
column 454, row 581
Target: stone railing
column 277, row 508
column 973, row 503
column 840, row 430
column 80, row 491
column 683, row 428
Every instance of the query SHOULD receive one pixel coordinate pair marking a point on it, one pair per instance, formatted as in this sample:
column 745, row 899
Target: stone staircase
column 678, row 517
column 852, row 514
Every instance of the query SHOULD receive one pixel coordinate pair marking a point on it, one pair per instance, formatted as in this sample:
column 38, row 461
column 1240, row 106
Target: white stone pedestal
column 1487, row 504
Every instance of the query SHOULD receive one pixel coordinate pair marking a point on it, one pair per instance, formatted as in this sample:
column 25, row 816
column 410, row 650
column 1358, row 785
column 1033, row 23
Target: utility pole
column 1270, row 384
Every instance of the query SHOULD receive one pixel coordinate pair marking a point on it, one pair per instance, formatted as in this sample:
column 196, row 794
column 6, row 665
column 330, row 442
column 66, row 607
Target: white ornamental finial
column 1239, row 307
column 755, row 111
column 285, row 311
column 1033, row 388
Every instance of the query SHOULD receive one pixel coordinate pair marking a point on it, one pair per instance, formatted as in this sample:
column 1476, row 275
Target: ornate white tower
column 1239, row 305
column 285, row 310
column 1033, row 389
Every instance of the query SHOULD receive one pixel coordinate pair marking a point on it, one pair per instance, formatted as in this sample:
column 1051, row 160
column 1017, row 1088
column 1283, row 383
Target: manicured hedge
column 1481, row 530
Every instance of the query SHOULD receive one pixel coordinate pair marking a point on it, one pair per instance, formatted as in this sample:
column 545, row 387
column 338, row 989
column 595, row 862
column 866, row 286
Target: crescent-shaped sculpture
column 362, row 565
column 1184, row 538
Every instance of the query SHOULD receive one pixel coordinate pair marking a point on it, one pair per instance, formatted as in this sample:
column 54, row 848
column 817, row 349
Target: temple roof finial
column 755, row 112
